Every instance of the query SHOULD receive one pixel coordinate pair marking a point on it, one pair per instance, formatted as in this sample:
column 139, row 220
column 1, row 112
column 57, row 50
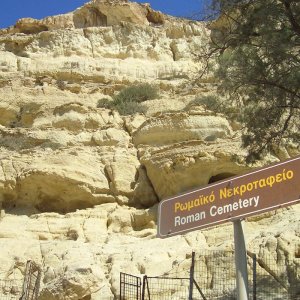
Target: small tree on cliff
column 257, row 47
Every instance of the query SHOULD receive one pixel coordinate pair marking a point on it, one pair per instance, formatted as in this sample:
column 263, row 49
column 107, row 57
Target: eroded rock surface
column 80, row 184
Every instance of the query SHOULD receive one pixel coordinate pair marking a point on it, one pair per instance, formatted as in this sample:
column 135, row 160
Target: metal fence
column 276, row 278
column 130, row 287
column 215, row 274
column 32, row 280
column 211, row 276
column 10, row 289
column 22, row 289
column 164, row 288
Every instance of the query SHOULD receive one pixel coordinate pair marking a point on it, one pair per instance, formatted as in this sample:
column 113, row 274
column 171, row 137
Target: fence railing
column 212, row 276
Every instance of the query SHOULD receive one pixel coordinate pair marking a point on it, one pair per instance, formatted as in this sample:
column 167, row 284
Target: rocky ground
column 79, row 183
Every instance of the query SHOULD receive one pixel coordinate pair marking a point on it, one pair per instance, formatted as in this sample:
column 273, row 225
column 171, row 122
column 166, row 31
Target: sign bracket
column 240, row 261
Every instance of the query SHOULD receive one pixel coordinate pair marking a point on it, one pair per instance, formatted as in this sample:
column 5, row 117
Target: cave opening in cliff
column 95, row 18
column 33, row 28
column 220, row 176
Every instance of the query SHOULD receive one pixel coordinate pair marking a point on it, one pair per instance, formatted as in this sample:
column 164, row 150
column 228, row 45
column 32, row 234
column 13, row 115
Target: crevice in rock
column 127, row 130
column 109, row 181
column 48, row 226
column 144, row 179
column 142, row 166
column 83, row 228
column 85, row 33
column 173, row 50
column 108, row 271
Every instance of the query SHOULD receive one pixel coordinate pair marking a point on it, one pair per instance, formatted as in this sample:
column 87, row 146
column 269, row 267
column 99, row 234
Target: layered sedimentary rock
column 79, row 183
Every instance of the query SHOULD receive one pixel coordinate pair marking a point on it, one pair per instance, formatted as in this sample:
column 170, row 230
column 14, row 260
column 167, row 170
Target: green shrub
column 128, row 100
column 105, row 103
column 137, row 93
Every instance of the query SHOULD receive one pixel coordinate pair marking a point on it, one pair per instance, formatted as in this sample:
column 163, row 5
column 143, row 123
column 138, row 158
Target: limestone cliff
column 79, row 183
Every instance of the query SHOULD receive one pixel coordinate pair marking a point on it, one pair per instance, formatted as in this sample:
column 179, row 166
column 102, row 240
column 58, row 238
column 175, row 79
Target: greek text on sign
column 237, row 197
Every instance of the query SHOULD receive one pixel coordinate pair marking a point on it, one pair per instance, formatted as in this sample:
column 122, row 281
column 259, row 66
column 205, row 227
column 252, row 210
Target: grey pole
column 240, row 261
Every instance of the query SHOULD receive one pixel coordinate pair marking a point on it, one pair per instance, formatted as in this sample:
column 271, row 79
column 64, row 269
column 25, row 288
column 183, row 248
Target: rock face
column 93, row 14
column 79, row 183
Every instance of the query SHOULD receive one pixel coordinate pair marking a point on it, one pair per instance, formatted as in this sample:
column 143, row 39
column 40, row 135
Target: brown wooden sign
column 237, row 197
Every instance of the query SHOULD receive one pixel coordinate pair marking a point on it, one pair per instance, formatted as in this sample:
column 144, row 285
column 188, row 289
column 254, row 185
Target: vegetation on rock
column 128, row 100
column 256, row 44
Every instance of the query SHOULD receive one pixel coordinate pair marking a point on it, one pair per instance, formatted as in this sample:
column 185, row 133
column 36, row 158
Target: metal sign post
column 240, row 261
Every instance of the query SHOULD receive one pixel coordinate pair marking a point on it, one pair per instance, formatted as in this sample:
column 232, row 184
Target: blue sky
column 12, row 10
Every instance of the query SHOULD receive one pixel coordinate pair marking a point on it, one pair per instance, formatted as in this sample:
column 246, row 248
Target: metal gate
column 130, row 287
column 160, row 288
column 31, row 284
column 211, row 276
column 22, row 289
column 167, row 288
